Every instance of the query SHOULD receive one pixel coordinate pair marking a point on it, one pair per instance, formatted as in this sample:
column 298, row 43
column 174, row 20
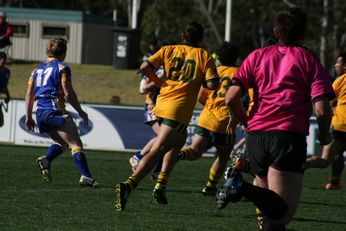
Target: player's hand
column 232, row 124
column 84, row 116
column 30, row 124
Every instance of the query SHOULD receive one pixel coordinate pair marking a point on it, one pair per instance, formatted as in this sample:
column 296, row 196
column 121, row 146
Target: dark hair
column 153, row 42
column 270, row 41
column 228, row 54
column 194, row 32
column 3, row 55
column 291, row 24
column 168, row 42
column 343, row 56
column 56, row 47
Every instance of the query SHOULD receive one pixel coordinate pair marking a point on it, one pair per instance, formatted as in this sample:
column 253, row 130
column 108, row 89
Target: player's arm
column 324, row 116
column 71, row 96
column 147, row 69
column 146, row 86
column 202, row 95
column 212, row 84
column 7, row 93
column 233, row 103
column 29, row 103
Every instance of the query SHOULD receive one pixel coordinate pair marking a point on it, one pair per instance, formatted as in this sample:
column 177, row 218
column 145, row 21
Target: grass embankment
column 92, row 83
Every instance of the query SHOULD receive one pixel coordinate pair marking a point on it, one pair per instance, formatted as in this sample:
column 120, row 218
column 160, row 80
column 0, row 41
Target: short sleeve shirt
column 186, row 69
column 284, row 79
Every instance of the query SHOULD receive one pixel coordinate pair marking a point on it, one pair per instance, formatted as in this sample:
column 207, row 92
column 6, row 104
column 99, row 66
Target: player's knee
column 64, row 146
column 76, row 149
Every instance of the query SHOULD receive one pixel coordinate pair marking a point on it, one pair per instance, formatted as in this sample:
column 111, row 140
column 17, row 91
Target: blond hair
column 56, row 47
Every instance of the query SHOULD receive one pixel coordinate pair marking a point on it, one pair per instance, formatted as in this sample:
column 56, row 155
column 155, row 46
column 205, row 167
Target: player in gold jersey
column 213, row 121
column 187, row 67
column 333, row 152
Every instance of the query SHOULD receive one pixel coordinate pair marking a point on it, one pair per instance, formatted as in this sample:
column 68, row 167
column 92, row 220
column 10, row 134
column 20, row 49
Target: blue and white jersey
column 47, row 79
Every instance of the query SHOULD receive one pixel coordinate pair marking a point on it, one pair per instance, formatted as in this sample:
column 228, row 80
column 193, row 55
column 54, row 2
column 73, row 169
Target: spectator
column 5, row 31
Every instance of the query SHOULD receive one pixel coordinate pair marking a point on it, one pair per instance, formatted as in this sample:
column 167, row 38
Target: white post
column 228, row 21
column 134, row 14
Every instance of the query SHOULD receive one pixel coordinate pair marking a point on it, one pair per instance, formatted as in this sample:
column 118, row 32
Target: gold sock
column 131, row 182
column 162, row 180
column 260, row 215
column 184, row 153
column 214, row 177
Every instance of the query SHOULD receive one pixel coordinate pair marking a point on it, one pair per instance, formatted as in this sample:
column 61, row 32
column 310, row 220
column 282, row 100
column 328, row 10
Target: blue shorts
column 49, row 120
column 149, row 114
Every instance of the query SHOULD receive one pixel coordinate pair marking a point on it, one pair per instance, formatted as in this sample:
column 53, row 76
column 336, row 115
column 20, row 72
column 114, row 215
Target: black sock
column 270, row 226
column 270, row 203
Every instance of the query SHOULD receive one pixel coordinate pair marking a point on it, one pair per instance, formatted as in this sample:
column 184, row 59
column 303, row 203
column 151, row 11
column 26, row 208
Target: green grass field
column 28, row 203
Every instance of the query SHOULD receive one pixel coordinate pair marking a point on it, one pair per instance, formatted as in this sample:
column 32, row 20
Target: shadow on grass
column 321, row 203
column 298, row 219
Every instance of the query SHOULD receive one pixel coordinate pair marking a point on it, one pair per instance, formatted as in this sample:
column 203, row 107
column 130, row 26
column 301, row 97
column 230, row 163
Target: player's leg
column 136, row 158
column 169, row 160
column 55, row 150
column 47, row 121
column 156, row 171
column 320, row 162
column 260, row 181
column 337, row 148
column 285, row 153
column 168, row 137
column 69, row 133
column 223, row 144
column 200, row 143
column 288, row 185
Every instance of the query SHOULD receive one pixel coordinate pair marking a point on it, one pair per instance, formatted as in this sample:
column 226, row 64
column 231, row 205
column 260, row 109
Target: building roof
column 54, row 15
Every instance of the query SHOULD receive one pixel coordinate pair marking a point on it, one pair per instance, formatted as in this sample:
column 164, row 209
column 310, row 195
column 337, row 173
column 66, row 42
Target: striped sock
column 260, row 216
column 214, row 177
column 131, row 182
column 161, row 182
column 188, row 154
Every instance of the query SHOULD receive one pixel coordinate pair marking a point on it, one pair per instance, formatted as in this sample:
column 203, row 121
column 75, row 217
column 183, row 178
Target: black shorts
column 282, row 150
column 338, row 135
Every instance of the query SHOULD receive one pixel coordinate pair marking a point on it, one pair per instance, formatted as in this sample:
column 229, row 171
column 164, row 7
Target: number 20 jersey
column 186, row 68
column 47, row 79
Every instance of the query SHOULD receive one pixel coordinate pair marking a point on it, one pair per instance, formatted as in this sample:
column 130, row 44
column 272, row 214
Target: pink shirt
column 285, row 79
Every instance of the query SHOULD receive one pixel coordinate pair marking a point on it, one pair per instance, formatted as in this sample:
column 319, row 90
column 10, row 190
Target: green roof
column 53, row 15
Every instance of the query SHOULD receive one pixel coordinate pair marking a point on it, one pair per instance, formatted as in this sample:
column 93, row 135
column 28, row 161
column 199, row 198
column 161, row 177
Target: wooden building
column 90, row 37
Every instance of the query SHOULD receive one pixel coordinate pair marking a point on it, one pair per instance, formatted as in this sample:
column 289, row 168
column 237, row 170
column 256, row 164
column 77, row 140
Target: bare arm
column 212, row 84
column 146, row 86
column 232, row 100
column 202, row 96
column 148, row 71
column 29, row 102
column 73, row 100
column 324, row 116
